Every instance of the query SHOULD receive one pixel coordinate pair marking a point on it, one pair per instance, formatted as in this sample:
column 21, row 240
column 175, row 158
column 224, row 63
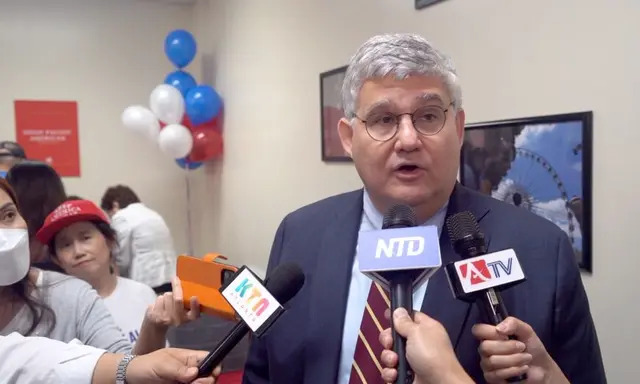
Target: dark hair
column 105, row 229
column 119, row 193
column 22, row 290
column 74, row 197
column 39, row 190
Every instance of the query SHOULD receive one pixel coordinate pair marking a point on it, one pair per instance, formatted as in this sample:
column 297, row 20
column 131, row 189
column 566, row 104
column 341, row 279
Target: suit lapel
column 329, row 293
column 439, row 302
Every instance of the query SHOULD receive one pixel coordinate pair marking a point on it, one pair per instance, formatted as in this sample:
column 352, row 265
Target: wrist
column 106, row 368
column 123, row 367
column 553, row 373
column 456, row 375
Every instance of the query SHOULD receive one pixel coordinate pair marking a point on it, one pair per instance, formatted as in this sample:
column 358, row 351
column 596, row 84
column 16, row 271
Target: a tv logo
column 403, row 246
column 250, row 299
column 488, row 271
column 477, row 271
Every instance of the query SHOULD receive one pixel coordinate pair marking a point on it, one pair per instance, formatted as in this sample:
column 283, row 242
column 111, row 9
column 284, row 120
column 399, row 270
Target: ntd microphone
column 400, row 257
column 410, row 250
column 480, row 275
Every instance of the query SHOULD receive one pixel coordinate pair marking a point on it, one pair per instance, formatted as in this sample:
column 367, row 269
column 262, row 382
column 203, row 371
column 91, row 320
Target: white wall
column 106, row 55
column 516, row 58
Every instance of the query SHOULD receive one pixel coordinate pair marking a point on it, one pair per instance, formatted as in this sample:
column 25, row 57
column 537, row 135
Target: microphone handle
column 215, row 357
column 495, row 311
column 401, row 288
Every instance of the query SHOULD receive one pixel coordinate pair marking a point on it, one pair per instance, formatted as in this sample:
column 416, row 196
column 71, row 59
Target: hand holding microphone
column 400, row 257
column 502, row 358
column 477, row 277
column 429, row 351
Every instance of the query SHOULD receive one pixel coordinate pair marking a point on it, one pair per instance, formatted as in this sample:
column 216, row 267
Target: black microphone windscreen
column 398, row 216
column 461, row 225
column 464, row 234
column 285, row 281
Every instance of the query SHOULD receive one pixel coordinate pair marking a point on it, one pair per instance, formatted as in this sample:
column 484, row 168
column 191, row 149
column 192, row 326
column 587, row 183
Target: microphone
column 258, row 306
column 480, row 276
column 400, row 257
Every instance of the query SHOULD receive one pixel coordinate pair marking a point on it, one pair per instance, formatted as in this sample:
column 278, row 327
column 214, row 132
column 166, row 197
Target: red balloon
column 207, row 144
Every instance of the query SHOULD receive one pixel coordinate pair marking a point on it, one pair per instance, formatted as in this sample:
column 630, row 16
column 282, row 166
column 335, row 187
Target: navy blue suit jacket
column 304, row 345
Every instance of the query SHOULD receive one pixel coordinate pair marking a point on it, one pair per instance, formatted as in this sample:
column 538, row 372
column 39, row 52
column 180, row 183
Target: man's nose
column 408, row 139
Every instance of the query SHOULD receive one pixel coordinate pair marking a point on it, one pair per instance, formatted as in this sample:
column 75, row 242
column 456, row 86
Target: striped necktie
column 366, row 367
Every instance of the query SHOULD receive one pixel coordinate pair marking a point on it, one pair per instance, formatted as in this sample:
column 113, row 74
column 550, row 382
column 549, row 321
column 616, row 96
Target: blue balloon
column 181, row 80
column 184, row 163
column 202, row 104
column 180, row 47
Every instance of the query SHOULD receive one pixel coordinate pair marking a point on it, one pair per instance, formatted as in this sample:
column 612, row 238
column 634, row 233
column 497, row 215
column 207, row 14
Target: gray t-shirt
column 80, row 314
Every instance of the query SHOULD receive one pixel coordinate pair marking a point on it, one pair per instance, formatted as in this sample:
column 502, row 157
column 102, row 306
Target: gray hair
column 400, row 55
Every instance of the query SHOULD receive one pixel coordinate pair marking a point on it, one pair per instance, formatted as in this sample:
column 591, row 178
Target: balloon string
column 189, row 232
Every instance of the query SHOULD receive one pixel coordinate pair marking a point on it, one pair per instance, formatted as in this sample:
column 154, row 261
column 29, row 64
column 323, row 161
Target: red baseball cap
column 68, row 213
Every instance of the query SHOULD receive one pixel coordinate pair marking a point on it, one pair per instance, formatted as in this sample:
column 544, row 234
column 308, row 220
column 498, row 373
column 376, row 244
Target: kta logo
column 252, row 297
column 476, row 272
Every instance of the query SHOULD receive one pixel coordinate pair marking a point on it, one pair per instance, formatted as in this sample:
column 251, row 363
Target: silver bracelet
column 121, row 373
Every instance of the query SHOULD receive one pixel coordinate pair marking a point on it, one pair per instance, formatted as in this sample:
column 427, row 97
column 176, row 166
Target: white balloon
column 175, row 140
column 141, row 121
column 167, row 103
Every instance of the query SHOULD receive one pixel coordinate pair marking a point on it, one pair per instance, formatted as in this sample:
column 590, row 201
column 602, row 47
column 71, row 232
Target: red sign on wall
column 48, row 131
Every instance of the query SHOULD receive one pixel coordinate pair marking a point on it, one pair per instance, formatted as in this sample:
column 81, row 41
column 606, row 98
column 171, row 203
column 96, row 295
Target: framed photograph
column 541, row 164
column 425, row 3
column 330, row 114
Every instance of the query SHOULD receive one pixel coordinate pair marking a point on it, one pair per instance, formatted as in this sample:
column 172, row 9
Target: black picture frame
column 425, row 3
column 541, row 163
column 330, row 113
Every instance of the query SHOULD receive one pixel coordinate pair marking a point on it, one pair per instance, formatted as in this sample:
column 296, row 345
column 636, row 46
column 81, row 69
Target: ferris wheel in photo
column 532, row 183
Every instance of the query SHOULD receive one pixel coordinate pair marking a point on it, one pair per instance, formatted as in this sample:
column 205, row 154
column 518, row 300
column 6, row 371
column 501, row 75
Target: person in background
column 81, row 241
column 146, row 253
column 11, row 153
column 46, row 303
column 39, row 190
column 31, row 360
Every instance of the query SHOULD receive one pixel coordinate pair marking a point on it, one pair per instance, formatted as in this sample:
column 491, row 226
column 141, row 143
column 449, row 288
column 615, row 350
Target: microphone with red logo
column 400, row 257
column 480, row 276
column 258, row 306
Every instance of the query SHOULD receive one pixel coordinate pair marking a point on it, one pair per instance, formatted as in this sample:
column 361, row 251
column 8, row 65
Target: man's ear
column 460, row 120
column 345, row 131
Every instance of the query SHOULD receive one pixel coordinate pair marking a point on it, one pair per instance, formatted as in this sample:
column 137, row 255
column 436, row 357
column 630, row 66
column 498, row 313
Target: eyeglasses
column 428, row 121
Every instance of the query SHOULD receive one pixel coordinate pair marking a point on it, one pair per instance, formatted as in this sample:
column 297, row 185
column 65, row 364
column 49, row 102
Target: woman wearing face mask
column 81, row 241
column 43, row 303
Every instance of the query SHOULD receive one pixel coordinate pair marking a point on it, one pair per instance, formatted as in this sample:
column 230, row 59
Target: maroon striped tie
column 366, row 367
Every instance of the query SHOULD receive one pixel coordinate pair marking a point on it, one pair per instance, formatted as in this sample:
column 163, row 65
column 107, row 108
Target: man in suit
column 404, row 130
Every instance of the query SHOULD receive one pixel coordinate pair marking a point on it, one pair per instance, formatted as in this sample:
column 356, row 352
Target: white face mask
column 14, row 255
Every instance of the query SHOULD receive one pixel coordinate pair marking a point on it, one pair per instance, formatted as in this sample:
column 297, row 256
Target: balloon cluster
column 184, row 118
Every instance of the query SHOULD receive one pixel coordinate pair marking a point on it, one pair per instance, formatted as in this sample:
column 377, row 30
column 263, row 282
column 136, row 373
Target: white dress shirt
column 34, row 360
column 145, row 253
column 360, row 285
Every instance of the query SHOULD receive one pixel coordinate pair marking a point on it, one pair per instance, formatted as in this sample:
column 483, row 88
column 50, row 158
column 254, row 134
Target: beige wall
column 516, row 58
column 105, row 55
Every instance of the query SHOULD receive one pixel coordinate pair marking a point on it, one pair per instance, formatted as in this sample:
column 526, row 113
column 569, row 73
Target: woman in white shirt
column 145, row 253
column 82, row 241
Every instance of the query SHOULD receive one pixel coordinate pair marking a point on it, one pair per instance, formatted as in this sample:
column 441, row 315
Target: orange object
column 203, row 277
